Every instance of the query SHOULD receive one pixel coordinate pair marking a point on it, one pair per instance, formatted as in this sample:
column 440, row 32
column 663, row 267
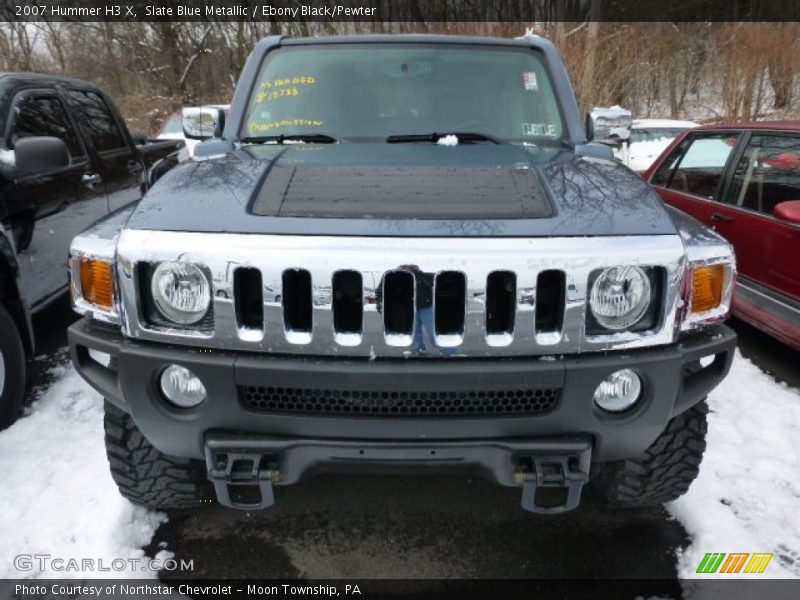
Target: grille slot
column 499, row 402
column 551, row 290
column 297, row 300
column 248, row 291
column 450, row 296
column 501, row 294
column 348, row 304
column 397, row 304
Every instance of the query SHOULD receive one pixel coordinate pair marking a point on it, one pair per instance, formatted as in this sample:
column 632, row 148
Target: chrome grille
column 395, row 297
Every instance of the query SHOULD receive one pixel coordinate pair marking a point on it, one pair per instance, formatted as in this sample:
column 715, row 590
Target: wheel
column 146, row 476
column 668, row 467
column 12, row 370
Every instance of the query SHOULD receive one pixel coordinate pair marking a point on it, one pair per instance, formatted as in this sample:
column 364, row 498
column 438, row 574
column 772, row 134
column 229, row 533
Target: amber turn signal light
column 707, row 284
column 97, row 282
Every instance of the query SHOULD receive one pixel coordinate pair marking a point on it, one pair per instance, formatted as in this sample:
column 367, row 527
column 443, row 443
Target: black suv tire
column 668, row 467
column 12, row 378
column 146, row 476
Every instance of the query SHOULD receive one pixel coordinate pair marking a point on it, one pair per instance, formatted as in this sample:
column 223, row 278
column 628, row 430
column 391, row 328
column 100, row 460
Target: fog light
column 182, row 387
column 619, row 391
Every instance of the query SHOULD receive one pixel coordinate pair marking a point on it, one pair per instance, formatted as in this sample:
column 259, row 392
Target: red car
column 743, row 180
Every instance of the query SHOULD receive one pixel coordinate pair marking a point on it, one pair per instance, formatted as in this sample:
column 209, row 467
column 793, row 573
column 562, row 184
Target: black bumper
column 672, row 376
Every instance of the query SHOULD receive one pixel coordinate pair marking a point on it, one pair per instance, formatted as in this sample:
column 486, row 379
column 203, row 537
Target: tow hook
column 552, row 483
column 242, row 479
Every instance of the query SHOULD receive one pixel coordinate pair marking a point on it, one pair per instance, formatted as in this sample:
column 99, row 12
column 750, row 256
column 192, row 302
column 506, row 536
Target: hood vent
column 401, row 192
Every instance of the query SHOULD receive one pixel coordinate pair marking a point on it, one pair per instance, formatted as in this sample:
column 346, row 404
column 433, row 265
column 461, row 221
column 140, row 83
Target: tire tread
column 146, row 476
column 668, row 466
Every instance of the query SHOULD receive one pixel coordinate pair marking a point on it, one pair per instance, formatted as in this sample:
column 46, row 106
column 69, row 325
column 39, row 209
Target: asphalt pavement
column 430, row 527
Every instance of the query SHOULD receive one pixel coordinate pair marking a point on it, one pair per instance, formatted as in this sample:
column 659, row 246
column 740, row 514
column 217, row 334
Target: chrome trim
column 703, row 247
column 322, row 256
column 695, row 320
column 99, row 242
column 86, row 247
column 2, row 372
column 753, row 287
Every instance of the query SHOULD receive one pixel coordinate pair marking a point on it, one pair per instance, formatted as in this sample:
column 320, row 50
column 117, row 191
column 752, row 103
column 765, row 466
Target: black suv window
column 44, row 116
column 697, row 165
column 102, row 129
column 768, row 173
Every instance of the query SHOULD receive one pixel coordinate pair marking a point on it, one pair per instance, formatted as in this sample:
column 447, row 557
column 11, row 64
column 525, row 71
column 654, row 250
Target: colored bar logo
column 735, row 562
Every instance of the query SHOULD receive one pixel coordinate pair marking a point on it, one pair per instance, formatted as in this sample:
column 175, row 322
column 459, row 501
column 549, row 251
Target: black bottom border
column 435, row 589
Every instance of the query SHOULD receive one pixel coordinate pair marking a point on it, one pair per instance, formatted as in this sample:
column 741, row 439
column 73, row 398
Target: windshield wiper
column 311, row 138
column 463, row 136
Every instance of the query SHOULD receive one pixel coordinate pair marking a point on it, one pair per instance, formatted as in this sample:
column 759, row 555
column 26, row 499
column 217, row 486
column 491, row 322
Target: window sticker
column 276, row 83
column 529, row 81
column 539, row 129
column 282, row 88
column 275, row 94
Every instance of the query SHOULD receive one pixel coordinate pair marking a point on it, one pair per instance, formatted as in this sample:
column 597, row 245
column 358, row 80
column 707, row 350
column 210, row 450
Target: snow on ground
column 57, row 495
column 747, row 497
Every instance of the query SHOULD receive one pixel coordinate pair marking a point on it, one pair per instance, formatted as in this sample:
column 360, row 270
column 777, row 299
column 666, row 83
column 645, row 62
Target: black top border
column 408, row 11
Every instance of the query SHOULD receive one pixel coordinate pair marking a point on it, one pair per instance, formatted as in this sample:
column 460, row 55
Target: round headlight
column 181, row 292
column 619, row 297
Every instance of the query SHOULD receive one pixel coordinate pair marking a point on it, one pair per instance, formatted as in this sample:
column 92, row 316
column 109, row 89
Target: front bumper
column 672, row 376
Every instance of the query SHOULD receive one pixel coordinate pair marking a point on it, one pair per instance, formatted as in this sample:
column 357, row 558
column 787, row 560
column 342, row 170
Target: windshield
column 370, row 92
column 173, row 124
column 655, row 133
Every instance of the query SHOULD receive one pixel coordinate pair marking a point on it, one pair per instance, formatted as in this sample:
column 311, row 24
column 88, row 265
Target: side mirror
column 139, row 138
column 611, row 126
column 40, row 155
column 203, row 122
column 788, row 211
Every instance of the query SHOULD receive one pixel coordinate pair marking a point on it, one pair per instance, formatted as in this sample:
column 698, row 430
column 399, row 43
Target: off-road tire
column 668, row 467
column 12, row 353
column 146, row 476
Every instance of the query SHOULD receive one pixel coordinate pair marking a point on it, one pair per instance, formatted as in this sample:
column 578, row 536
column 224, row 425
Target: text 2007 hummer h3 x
column 401, row 253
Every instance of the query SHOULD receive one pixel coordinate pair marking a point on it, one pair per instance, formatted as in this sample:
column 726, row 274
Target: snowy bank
column 747, row 497
column 57, row 495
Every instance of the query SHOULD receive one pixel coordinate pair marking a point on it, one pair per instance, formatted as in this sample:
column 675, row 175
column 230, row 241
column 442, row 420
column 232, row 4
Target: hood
column 417, row 189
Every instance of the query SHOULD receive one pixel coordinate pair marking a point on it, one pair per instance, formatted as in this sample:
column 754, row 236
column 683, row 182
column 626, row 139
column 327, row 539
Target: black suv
column 66, row 161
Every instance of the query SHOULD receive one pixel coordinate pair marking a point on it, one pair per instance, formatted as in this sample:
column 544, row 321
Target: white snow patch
column 642, row 154
column 747, row 496
column 57, row 495
column 448, row 140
